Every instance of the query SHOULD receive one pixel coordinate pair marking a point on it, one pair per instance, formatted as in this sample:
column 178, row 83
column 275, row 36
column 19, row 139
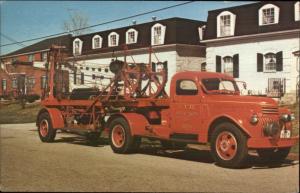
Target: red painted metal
column 161, row 117
column 44, row 127
column 118, row 136
column 226, row 145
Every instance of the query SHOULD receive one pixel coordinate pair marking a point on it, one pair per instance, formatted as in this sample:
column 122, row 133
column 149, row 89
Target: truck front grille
column 270, row 110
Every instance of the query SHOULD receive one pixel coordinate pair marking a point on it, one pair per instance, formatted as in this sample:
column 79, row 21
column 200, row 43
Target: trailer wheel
column 229, row 146
column 45, row 129
column 275, row 155
column 120, row 138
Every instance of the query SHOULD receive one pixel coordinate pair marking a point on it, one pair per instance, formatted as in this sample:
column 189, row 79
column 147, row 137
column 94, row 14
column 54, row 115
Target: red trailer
column 203, row 107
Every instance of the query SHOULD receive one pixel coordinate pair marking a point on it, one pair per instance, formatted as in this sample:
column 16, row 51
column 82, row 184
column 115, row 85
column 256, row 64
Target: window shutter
column 218, row 63
column 74, row 76
column 260, row 62
column 236, row 66
column 82, row 78
column 279, row 61
column 42, row 86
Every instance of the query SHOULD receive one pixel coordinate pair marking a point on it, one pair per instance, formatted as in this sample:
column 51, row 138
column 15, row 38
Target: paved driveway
column 70, row 164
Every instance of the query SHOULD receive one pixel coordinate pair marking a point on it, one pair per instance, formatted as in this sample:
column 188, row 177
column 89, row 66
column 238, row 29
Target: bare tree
column 77, row 21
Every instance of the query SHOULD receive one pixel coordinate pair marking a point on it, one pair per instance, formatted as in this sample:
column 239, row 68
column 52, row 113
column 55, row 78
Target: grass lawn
column 13, row 113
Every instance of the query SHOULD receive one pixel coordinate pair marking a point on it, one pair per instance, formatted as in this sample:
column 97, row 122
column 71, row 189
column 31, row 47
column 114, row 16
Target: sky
column 23, row 20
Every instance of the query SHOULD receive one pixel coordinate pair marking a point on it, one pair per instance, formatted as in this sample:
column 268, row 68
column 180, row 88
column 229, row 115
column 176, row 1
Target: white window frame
column 163, row 32
column 109, row 39
column 43, row 55
column 297, row 11
column 201, row 32
column 232, row 23
column 80, row 46
column 276, row 14
column 93, row 41
column 135, row 36
column 225, row 67
column 4, row 88
column 265, row 62
column 31, row 58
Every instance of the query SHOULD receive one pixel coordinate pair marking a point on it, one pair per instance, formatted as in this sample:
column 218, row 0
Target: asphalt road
column 70, row 164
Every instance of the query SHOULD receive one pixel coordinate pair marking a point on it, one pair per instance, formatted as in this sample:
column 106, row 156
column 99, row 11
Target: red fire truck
column 202, row 107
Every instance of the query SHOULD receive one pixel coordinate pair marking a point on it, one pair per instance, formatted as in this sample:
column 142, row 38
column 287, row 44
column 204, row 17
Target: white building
column 175, row 40
column 256, row 43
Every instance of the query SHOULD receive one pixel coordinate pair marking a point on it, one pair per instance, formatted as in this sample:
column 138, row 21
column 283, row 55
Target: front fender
column 56, row 117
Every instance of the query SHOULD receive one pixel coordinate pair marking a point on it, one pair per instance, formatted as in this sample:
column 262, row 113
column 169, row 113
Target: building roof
column 247, row 19
column 64, row 40
column 178, row 31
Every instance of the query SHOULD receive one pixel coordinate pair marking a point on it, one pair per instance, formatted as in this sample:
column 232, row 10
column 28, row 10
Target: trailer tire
column 229, row 146
column 274, row 155
column 45, row 128
column 120, row 138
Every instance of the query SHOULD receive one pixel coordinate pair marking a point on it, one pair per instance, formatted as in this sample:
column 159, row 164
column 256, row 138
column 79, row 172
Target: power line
column 104, row 23
column 13, row 40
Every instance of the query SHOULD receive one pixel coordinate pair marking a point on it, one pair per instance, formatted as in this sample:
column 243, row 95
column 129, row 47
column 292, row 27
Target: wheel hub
column 226, row 145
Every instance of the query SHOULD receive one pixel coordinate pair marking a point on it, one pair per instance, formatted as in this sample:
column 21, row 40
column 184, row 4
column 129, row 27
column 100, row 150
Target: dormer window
column 97, row 42
column 131, row 36
column 297, row 11
column 113, row 39
column 226, row 24
column 77, row 46
column 268, row 14
column 158, row 34
column 201, row 32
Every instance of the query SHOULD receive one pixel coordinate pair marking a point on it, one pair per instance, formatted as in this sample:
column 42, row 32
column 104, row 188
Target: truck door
column 186, row 108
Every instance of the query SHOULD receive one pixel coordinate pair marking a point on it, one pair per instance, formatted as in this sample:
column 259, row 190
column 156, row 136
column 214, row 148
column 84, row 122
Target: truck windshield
column 222, row 86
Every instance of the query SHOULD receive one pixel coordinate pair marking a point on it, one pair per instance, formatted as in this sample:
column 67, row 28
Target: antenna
column 153, row 18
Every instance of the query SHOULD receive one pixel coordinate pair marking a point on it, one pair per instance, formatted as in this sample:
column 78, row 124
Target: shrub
column 32, row 98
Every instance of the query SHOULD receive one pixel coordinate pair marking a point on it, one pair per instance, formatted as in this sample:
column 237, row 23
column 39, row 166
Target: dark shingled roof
column 64, row 40
column 178, row 31
column 247, row 19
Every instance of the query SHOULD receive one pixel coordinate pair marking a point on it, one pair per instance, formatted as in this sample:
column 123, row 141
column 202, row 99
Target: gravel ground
column 70, row 164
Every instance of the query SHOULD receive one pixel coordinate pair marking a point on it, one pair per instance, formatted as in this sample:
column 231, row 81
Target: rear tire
column 120, row 138
column 275, row 155
column 229, row 145
column 45, row 128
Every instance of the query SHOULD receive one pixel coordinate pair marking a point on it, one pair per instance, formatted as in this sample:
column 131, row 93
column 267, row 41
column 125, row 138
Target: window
column 297, row 11
column 131, row 36
column 201, row 32
column 4, row 84
column 93, row 76
column 77, row 46
column 14, row 83
column 87, row 68
column 228, row 65
column 106, row 70
column 97, row 42
column 270, row 62
column 99, row 69
column 82, row 78
column 215, row 84
column 31, row 58
column 93, row 69
column 13, row 60
column 225, row 24
column 30, row 82
column 113, row 39
column 43, row 82
column 186, row 87
column 268, row 14
column 203, row 67
column 44, row 56
column 158, row 34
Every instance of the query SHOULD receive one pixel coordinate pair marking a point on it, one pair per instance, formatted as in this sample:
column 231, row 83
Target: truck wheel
column 229, row 146
column 120, row 138
column 275, row 155
column 45, row 129
column 172, row 145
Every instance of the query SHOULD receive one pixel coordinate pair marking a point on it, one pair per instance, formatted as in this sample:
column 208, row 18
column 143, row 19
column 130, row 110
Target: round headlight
column 254, row 119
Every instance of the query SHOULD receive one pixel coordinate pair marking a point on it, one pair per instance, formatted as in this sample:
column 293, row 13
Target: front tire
column 120, row 138
column 229, row 146
column 45, row 128
column 275, row 155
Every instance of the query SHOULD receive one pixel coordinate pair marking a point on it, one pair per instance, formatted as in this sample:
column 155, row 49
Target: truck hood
column 244, row 99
